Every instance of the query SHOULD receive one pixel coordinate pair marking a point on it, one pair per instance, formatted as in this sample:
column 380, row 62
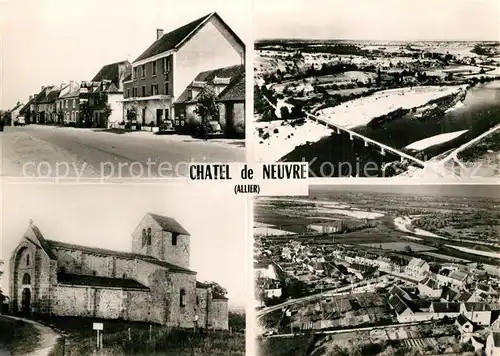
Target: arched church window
column 144, row 237
column 26, row 279
column 174, row 239
column 149, row 236
column 182, row 299
column 28, row 259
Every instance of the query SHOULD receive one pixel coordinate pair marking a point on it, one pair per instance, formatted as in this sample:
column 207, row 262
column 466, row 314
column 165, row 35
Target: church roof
column 169, row 224
column 98, row 281
column 120, row 254
column 45, row 245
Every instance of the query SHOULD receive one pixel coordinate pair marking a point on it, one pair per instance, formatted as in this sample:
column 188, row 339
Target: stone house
column 46, row 105
column 429, row 287
column 225, row 82
column 162, row 72
column 68, row 103
column 42, row 105
column 153, row 283
column 417, row 269
column 479, row 313
column 14, row 112
column 106, row 88
column 492, row 347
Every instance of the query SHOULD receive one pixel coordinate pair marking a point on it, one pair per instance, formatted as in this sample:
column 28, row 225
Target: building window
column 27, row 260
column 134, row 92
column 197, row 300
column 149, row 237
column 128, row 93
column 166, row 88
column 154, row 68
column 182, row 298
column 143, row 90
column 154, row 89
column 143, row 71
column 174, row 239
column 166, row 65
column 144, row 237
column 74, row 103
column 26, row 279
column 135, row 73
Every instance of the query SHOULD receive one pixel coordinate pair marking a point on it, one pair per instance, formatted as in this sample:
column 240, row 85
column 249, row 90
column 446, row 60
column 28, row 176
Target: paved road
column 47, row 341
column 47, row 151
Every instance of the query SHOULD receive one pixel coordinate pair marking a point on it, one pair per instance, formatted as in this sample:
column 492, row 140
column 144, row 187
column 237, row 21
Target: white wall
column 212, row 47
column 117, row 109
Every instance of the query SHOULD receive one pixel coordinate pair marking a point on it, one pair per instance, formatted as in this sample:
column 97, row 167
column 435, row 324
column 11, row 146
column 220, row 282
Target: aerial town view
column 399, row 101
column 381, row 270
column 171, row 92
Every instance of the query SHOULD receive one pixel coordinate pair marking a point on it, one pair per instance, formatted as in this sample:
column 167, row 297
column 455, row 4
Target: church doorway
column 26, row 301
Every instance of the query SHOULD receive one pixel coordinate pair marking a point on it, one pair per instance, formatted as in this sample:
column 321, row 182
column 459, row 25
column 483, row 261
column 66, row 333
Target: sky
column 464, row 190
column 46, row 42
column 378, row 20
column 105, row 215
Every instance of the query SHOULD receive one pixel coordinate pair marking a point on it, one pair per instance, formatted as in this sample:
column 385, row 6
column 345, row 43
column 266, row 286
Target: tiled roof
column 449, row 294
column 208, row 77
column 98, row 281
column 458, row 275
column 477, row 307
column 416, row 262
column 398, row 304
column 439, row 307
column 461, row 319
column 43, row 242
column 125, row 255
column 235, row 91
column 169, row 224
column 171, row 39
column 16, row 107
column 51, row 96
column 109, row 72
column 202, row 285
column 431, row 283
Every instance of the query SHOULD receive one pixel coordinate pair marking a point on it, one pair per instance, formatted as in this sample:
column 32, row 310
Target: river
column 481, row 106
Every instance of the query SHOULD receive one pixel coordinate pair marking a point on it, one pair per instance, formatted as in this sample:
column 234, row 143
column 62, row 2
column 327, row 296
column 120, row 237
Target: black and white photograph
column 118, row 89
column 389, row 88
column 121, row 270
column 378, row 270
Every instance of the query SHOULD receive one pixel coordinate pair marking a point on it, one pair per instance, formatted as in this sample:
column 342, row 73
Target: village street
column 63, row 152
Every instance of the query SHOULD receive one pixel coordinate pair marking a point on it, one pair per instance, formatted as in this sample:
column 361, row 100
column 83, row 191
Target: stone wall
column 161, row 243
column 219, row 314
column 201, row 306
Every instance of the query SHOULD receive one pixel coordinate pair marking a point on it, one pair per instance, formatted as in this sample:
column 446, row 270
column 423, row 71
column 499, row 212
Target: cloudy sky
column 378, row 20
column 105, row 215
column 49, row 41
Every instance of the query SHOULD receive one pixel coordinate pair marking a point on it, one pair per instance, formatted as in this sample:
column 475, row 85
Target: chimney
column 159, row 33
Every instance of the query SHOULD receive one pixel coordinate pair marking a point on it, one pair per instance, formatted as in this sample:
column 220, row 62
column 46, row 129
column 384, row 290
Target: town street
column 63, row 152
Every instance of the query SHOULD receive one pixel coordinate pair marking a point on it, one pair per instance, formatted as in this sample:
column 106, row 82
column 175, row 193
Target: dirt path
column 48, row 338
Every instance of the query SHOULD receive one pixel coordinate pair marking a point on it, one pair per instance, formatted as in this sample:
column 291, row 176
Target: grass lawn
column 81, row 339
column 18, row 336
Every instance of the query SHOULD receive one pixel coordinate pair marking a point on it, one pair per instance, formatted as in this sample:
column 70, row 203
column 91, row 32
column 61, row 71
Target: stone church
column 153, row 283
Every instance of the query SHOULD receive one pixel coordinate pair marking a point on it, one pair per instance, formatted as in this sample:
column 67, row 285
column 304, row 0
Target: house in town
column 14, row 112
column 41, row 105
column 106, row 89
column 429, row 287
column 153, row 283
column 417, row 269
column 464, row 325
column 479, row 313
column 46, row 105
column 165, row 69
column 492, row 346
column 68, row 104
column 264, row 270
column 224, row 83
column 27, row 111
column 440, row 310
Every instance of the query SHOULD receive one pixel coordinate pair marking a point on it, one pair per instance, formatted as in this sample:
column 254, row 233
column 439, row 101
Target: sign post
column 98, row 327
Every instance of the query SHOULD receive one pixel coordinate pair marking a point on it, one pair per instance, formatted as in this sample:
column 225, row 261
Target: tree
column 86, row 114
column 132, row 114
column 106, row 113
column 206, row 107
column 217, row 290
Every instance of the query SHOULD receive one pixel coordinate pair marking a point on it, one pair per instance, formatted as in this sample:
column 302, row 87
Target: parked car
column 20, row 122
column 214, row 129
column 167, row 127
